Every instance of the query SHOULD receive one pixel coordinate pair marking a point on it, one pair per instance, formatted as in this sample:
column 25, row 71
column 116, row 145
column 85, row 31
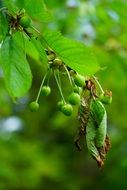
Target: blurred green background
column 36, row 149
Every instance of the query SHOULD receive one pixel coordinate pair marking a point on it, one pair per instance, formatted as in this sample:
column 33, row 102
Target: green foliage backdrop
column 36, row 149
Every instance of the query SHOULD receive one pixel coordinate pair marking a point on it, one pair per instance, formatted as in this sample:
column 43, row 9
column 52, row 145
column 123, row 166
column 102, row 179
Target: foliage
column 16, row 70
column 40, row 154
column 74, row 54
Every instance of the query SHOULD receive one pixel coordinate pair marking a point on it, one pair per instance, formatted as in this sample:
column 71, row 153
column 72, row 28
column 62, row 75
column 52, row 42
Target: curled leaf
column 90, row 140
column 98, row 142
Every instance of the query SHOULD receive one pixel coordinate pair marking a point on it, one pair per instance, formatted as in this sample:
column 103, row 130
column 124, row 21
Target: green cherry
column 79, row 80
column 34, row 106
column 46, row 90
column 106, row 98
column 74, row 98
column 67, row 109
column 60, row 104
column 25, row 21
column 77, row 89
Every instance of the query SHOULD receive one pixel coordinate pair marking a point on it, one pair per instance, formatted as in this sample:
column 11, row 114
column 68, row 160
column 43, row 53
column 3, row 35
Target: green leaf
column 73, row 53
column 37, row 44
column 101, row 132
column 96, row 131
column 97, row 111
column 3, row 27
column 99, row 117
column 90, row 139
column 91, row 145
column 37, row 10
column 11, row 6
column 27, row 46
column 17, row 73
column 33, row 48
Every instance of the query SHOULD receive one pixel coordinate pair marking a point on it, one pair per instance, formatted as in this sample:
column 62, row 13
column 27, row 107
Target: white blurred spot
column 72, row 3
column 11, row 124
column 113, row 15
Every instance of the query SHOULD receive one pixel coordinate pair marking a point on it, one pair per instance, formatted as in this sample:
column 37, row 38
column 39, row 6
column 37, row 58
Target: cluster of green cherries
column 73, row 99
column 21, row 21
column 45, row 90
column 56, row 66
column 77, row 82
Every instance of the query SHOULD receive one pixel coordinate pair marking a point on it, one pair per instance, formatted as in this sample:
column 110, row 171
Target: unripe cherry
column 106, row 98
column 77, row 89
column 67, row 109
column 60, row 104
column 46, row 90
column 25, row 21
column 79, row 80
column 74, row 98
column 34, row 106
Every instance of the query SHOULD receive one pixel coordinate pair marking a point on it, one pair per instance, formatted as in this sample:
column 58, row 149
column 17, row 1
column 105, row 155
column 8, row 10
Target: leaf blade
column 3, row 27
column 99, row 117
column 38, row 10
column 73, row 53
column 17, row 73
column 37, row 44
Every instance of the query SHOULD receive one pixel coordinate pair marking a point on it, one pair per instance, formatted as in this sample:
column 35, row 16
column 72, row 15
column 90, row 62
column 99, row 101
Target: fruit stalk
column 59, row 87
column 39, row 92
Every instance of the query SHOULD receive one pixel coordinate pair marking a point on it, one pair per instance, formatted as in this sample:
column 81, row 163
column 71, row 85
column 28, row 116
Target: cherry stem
column 39, row 92
column 101, row 89
column 35, row 29
column 59, row 87
column 68, row 76
column 58, row 75
column 72, row 79
column 48, row 77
